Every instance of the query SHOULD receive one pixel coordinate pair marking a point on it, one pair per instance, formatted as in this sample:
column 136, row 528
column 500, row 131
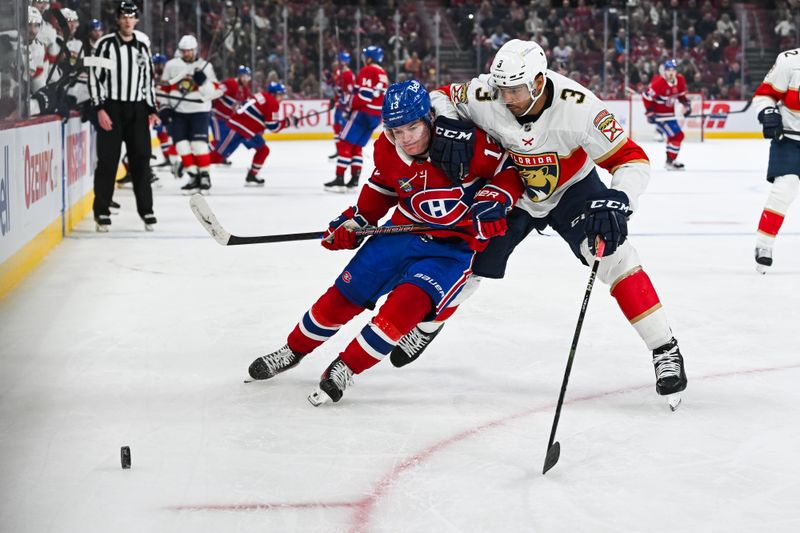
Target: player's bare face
column 244, row 79
column 188, row 55
column 126, row 25
column 413, row 138
column 670, row 75
column 517, row 99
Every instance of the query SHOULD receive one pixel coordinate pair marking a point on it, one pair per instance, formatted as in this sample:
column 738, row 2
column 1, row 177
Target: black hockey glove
column 607, row 217
column 771, row 122
column 452, row 146
column 166, row 114
column 199, row 77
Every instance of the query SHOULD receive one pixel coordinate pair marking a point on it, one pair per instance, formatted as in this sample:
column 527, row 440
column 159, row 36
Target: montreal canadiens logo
column 540, row 173
column 346, row 277
column 442, row 207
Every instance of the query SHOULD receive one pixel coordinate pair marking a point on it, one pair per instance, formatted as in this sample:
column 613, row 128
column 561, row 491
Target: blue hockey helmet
column 95, row 24
column 670, row 64
column 344, row 57
column 404, row 103
column 276, row 87
column 374, row 53
column 159, row 59
column 243, row 70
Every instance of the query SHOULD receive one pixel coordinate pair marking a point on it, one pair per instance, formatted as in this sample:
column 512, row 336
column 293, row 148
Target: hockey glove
column 340, row 234
column 687, row 109
column 166, row 115
column 607, row 216
column 651, row 116
column 452, row 146
column 771, row 122
column 289, row 122
column 199, row 77
column 489, row 212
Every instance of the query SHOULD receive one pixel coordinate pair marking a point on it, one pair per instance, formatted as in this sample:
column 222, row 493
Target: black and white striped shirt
column 122, row 70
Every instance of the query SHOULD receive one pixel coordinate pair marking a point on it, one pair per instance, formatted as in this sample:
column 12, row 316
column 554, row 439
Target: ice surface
column 142, row 339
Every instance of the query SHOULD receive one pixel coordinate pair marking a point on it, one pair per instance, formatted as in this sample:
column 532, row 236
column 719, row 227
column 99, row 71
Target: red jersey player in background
column 344, row 82
column 248, row 124
column 659, row 103
column 237, row 91
column 365, row 115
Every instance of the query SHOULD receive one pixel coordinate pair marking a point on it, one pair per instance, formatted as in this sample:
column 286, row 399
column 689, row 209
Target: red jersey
column 660, row 97
column 344, row 82
column 235, row 93
column 371, row 85
column 422, row 193
column 258, row 114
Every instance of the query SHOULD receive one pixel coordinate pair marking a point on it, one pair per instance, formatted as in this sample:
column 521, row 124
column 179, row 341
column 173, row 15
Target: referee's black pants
column 129, row 125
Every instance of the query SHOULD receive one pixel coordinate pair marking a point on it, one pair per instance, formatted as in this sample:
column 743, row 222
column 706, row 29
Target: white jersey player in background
column 777, row 100
column 556, row 131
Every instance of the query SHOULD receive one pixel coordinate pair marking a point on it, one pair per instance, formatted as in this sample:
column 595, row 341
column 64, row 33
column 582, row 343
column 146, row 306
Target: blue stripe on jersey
column 315, row 329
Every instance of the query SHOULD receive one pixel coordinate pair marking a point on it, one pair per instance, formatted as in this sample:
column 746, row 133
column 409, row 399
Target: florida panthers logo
column 540, row 173
column 186, row 85
column 439, row 207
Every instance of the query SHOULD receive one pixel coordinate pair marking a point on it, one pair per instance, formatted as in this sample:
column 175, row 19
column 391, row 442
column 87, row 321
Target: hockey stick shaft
column 553, row 447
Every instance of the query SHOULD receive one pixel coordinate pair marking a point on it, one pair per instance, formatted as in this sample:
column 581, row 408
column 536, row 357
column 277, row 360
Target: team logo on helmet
column 540, row 173
column 440, row 207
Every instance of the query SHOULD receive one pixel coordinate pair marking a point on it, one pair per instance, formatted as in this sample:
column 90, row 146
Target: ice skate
column 336, row 185
column 272, row 364
column 763, row 259
column 177, row 169
column 252, row 180
column 125, row 181
column 670, row 374
column 334, row 381
column 205, row 182
column 352, row 185
column 149, row 221
column 411, row 346
column 674, row 165
column 193, row 185
column 114, row 207
column 102, row 223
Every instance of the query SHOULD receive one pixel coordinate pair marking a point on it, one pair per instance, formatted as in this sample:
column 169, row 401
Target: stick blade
column 207, row 219
column 553, row 453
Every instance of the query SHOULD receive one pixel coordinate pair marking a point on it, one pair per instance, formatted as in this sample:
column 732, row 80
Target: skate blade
column 149, row 227
column 101, row 229
column 340, row 189
column 205, row 192
column 762, row 269
column 251, row 184
column 318, row 397
column 674, row 401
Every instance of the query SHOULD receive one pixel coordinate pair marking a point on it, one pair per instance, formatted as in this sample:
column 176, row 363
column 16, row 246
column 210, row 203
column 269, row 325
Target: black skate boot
column 205, row 182
column 125, row 181
column 149, row 221
column 352, row 185
column 763, row 259
column 272, row 364
column 114, row 207
column 336, row 185
column 102, row 223
column 336, row 378
column 193, row 185
column 668, row 363
column 252, row 180
column 671, row 164
column 411, row 346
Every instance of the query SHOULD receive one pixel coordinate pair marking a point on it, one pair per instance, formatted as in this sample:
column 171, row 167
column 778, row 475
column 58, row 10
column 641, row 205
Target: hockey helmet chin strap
column 534, row 98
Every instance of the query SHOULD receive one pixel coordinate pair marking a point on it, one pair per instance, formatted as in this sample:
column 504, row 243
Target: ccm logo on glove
column 455, row 135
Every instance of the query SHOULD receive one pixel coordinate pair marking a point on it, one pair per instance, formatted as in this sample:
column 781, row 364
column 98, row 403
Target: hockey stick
column 553, row 447
column 723, row 115
column 209, row 221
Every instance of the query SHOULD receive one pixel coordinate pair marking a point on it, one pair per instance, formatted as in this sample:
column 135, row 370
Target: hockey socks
column 322, row 321
column 783, row 192
column 406, row 305
column 639, row 302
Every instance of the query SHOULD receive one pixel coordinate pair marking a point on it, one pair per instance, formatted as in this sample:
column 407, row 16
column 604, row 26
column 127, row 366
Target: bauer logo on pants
column 540, row 173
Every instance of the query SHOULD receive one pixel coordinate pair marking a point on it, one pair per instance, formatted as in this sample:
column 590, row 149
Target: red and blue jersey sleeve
column 370, row 87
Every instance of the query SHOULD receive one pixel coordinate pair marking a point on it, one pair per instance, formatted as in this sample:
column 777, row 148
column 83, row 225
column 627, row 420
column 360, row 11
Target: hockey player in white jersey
column 778, row 102
column 189, row 85
column 556, row 131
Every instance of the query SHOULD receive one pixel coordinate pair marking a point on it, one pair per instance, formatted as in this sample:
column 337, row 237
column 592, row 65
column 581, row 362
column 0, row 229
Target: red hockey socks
column 770, row 223
column 639, row 303
column 258, row 159
column 322, row 321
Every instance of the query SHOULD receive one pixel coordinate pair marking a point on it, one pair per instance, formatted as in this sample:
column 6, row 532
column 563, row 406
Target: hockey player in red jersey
column 659, row 103
column 344, row 83
column 365, row 116
column 421, row 272
column 247, row 126
column 778, row 102
column 556, row 132
column 237, row 91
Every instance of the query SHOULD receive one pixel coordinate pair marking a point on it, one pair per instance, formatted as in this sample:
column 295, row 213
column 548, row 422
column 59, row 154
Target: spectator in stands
column 735, row 73
column 413, row 66
column 498, row 38
column 786, row 32
column 691, row 40
column 725, row 24
column 533, row 24
column 718, row 90
column 735, row 91
column 619, row 41
column 714, row 48
column 707, row 25
column 562, row 52
column 733, row 52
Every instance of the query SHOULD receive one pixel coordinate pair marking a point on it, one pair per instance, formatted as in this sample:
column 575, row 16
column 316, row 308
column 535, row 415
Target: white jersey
column 176, row 81
column 558, row 149
column 781, row 87
column 36, row 65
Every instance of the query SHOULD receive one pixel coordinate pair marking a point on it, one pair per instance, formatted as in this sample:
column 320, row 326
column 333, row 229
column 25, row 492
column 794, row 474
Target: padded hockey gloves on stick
column 199, row 77
column 452, row 146
column 771, row 122
column 340, row 235
column 607, row 217
column 489, row 212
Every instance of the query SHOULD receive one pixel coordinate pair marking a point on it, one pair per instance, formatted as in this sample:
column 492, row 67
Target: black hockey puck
column 125, row 457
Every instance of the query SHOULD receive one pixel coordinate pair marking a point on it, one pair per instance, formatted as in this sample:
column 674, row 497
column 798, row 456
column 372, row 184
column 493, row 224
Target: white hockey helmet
column 516, row 63
column 187, row 42
column 34, row 17
column 70, row 15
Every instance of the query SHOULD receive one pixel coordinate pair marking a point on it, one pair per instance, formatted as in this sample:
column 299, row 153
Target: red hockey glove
column 340, row 234
column 489, row 212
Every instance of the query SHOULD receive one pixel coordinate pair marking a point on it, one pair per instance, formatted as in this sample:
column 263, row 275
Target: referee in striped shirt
column 121, row 88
